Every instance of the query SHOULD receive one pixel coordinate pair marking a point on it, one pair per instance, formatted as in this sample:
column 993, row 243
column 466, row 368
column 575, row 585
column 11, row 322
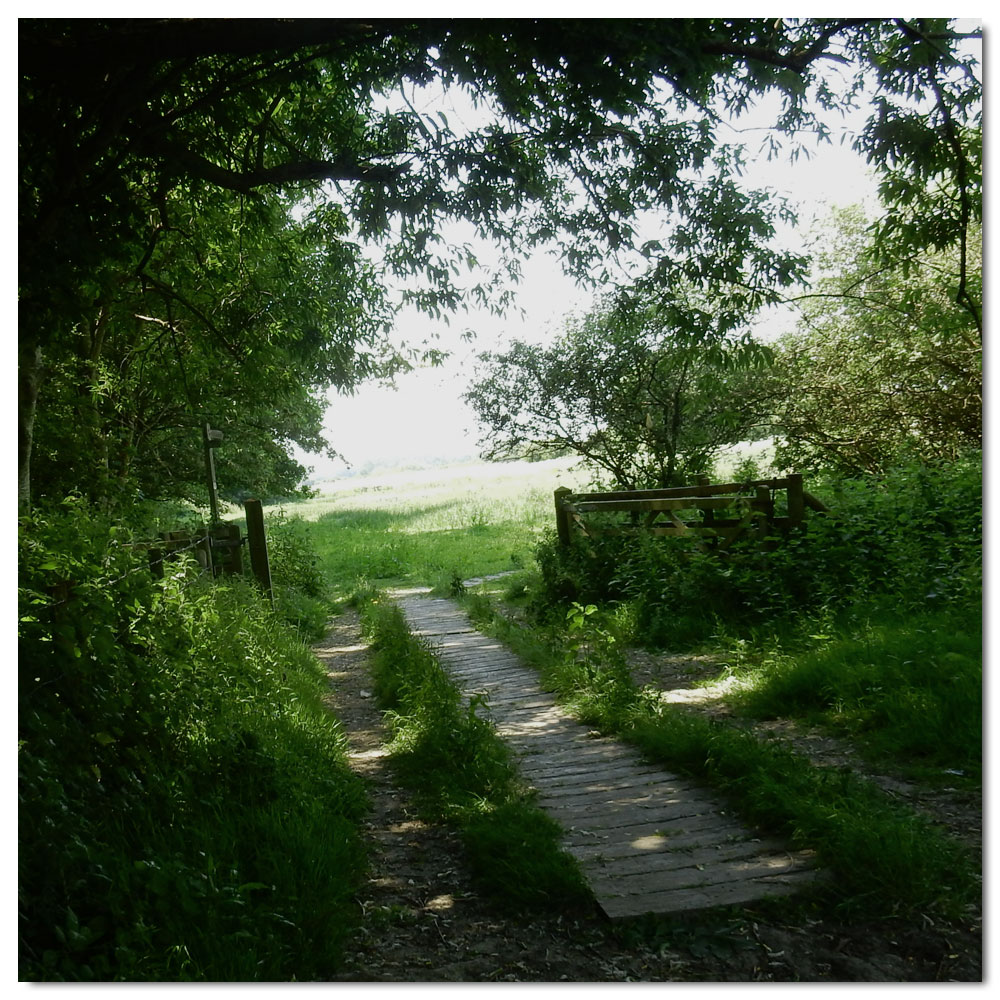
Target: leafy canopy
column 143, row 141
column 884, row 361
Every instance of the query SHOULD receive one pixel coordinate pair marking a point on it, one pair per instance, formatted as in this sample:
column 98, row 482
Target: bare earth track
column 422, row 920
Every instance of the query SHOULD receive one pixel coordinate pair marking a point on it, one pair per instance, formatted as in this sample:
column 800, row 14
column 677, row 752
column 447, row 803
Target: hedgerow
column 907, row 541
column 186, row 812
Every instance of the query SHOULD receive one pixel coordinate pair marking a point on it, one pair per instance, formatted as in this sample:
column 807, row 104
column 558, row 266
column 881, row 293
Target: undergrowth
column 185, row 808
column 908, row 542
column 461, row 772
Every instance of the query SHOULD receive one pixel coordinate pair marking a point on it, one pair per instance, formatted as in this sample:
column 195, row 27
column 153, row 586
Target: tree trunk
column 29, row 369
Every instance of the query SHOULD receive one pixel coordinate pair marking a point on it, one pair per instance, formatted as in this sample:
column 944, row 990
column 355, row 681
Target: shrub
column 292, row 555
column 185, row 807
column 300, row 588
column 911, row 539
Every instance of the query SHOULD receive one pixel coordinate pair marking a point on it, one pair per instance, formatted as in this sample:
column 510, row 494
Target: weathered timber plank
column 619, row 907
column 701, row 490
column 614, row 791
column 538, row 745
column 724, row 870
column 523, row 699
column 628, row 814
column 660, row 861
column 552, row 775
column 591, row 839
column 657, row 504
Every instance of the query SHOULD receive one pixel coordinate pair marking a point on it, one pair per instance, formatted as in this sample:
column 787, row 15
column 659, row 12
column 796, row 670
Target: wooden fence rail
column 218, row 548
column 722, row 512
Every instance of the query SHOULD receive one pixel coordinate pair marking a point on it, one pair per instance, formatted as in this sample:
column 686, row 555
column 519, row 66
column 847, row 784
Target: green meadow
column 428, row 528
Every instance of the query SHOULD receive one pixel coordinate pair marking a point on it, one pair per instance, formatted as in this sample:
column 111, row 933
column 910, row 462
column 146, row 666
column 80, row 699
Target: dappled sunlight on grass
column 435, row 526
column 907, row 690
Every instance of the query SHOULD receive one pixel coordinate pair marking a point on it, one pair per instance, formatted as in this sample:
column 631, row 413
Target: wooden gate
column 720, row 512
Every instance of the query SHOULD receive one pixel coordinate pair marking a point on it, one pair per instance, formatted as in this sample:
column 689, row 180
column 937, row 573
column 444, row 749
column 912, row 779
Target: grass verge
column 186, row 811
column 461, row 772
column 907, row 693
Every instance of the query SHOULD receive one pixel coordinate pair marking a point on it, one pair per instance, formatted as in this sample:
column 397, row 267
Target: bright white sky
column 424, row 417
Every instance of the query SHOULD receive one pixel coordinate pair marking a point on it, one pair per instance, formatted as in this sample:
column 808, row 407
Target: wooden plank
column 701, row 489
column 562, row 516
column 601, row 846
column 553, row 753
column 620, row 907
column 738, row 869
column 679, row 817
column 652, row 504
column 257, row 544
column 553, row 774
column 661, row 861
column 796, row 500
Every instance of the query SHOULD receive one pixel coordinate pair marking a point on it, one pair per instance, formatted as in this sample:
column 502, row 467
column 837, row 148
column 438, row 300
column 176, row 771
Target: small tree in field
column 635, row 398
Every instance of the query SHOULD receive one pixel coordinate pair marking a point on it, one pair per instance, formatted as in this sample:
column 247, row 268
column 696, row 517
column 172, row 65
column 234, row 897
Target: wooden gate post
column 796, row 500
column 763, row 503
column 562, row 516
column 257, row 543
column 226, row 554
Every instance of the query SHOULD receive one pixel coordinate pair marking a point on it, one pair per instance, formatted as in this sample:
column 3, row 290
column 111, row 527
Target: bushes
column 186, row 812
column 909, row 540
column 299, row 585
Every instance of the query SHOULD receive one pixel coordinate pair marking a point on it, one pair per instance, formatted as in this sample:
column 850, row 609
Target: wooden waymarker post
column 562, row 516
column 257, row 543
column 211, row 438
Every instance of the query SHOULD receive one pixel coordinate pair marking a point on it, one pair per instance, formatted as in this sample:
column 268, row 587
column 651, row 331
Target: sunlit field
column 427, row 527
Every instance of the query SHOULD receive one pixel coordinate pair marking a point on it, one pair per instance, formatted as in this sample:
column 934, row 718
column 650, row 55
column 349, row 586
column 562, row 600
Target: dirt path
column 424, row 921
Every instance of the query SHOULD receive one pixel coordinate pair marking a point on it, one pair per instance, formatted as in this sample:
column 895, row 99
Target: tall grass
column 907, row 692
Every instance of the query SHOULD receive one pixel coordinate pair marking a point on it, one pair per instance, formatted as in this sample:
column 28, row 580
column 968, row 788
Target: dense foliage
column 644, row 403
column 211, row 210
column 185, row 811
column 214, row 215
column 906, row 541
column 883, row 361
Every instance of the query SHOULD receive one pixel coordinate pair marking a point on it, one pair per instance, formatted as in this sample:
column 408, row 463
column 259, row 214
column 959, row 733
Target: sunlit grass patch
column 428, row 528
column 908, row 691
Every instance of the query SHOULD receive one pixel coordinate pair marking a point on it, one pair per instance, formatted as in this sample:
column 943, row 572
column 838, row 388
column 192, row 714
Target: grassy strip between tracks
column 461, row 773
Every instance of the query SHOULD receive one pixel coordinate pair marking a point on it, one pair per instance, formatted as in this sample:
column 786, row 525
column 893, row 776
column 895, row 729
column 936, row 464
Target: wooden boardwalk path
column 646, row 840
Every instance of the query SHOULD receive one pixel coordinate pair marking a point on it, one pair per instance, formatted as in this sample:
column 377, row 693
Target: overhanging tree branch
column 278, row 175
